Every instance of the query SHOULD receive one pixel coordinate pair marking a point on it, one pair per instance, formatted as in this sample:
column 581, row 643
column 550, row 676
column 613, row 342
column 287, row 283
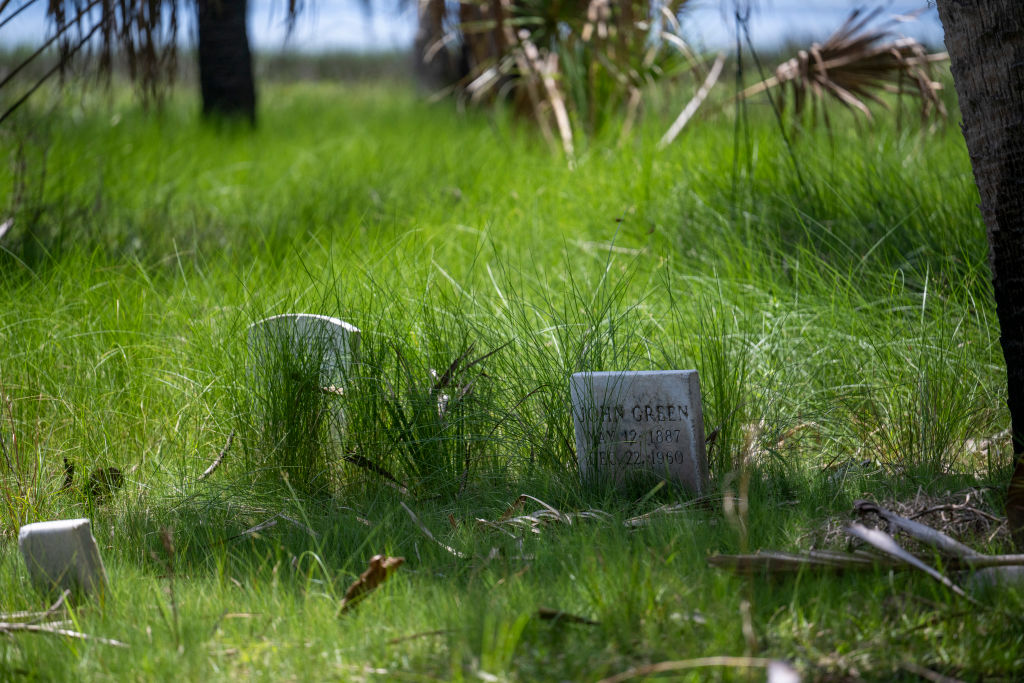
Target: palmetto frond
column 855, row 66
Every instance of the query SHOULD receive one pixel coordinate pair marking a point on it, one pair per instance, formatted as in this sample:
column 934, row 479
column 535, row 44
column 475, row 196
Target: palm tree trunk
column 225, row 63
column 985, row 41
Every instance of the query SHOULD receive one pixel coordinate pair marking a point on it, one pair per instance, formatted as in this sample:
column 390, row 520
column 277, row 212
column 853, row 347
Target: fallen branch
column 884, row 542
column 784, row 563
column 919, row 532
column 683, row 664
column 53, row 630
column 38, row 616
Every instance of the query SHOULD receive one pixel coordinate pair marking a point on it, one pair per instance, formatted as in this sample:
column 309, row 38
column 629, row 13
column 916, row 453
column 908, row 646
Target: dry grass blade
column 684, row 664
column 884, row 542
column 558, row 515
column 691, row 108
column 426, row 531
column 271, row 523
column 855, row 65
column 381, row 567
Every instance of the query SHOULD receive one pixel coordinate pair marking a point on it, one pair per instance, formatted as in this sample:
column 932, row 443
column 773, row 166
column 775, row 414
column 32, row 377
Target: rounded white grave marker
column 335, row 341
column 62, row 554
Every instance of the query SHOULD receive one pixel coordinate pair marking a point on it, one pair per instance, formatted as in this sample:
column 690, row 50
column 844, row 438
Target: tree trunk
column 433, row 62
column 225, row 63
column 985, row 41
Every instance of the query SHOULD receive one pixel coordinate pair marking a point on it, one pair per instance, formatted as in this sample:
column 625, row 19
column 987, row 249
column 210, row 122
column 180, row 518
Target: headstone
column 640, row 425
column 334, row 341
column 62, row 554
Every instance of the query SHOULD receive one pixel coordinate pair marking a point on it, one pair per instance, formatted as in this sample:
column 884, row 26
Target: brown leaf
column 377, row 573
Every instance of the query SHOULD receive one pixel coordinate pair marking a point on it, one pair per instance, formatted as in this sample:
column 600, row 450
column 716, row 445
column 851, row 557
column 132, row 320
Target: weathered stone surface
column 637, row 425
column 62, row 554
column 335, row 342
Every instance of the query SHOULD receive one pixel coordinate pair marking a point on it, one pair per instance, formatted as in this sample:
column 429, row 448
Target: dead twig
column 683, row 664
column 884, row 543
column 958, row 508
column 919, row 532
column 219, row 459
column 38, row 616
column 6, row 627
column 426, row 531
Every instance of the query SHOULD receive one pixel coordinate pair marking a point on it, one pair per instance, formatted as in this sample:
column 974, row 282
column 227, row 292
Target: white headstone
column 637, row 425
column 62, row 554
column 335, row 340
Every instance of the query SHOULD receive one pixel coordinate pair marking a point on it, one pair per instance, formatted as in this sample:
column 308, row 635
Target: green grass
column 844, row 310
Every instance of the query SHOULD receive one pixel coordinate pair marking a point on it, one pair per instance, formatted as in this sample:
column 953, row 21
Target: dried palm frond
column 855, row 65
column 571, row 67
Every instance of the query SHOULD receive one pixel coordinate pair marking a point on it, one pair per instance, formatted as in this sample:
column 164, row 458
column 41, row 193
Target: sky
column 342, row 24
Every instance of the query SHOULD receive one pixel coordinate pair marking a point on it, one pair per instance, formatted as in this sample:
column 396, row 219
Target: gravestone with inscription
column 633, row 426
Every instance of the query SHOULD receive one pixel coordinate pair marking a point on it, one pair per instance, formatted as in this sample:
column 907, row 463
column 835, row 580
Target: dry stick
column 426, row 531
column 220, row 457
column 691, row 108
column 884, row 542
column 523, row 64
column 682, row 664
column 919, row 532
column 957, row 508
column 44, row 628
column 38, row 616
column 554, row 98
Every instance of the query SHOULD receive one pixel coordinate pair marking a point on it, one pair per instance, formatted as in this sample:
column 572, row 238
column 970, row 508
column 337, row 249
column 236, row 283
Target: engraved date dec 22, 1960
column 640, row 422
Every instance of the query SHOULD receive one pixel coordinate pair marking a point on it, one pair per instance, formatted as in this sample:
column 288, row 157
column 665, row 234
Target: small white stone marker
column 632, row 425
column 336, row 339
column 62, row 554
